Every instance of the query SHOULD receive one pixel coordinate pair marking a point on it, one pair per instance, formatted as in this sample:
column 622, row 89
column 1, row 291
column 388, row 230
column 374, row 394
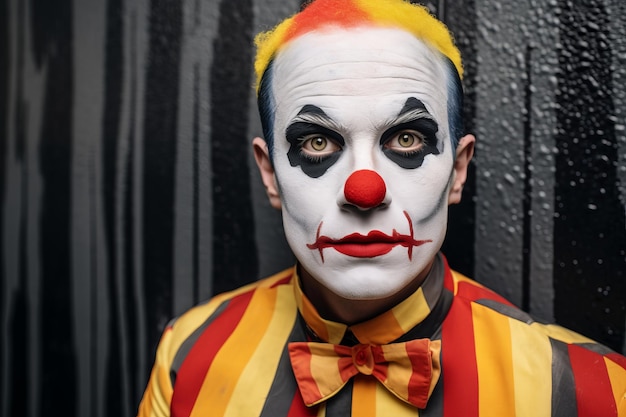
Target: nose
column 365, row 189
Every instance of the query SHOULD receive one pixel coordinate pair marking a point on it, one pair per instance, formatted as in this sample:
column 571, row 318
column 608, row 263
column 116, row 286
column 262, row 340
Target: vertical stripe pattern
column 532, row 377
column 256, row 381
column 592, row 379
column 495, row 361
column 364, row 397
column 457, row 354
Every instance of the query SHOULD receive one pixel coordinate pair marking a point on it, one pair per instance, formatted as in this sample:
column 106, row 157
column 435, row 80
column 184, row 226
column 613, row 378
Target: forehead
column 378, row 66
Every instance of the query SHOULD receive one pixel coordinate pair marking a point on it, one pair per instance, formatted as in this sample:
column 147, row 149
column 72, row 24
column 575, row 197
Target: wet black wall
column 129, row 192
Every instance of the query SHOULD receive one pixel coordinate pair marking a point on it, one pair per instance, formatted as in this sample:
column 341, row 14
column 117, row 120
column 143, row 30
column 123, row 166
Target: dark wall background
column 129, row 191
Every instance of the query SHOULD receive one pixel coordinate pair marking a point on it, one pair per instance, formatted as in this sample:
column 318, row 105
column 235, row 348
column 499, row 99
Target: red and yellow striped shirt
column 229, row 357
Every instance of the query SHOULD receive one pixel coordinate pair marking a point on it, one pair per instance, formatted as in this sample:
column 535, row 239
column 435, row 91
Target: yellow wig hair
column 415, row 19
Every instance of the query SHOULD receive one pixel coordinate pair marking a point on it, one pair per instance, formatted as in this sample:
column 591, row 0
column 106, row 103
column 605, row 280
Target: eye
column 317, row 147
column 406, row 142
column 318, row 144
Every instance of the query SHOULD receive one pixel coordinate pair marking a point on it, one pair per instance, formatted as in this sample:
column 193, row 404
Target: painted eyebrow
column 413, row 109
column 314, row 115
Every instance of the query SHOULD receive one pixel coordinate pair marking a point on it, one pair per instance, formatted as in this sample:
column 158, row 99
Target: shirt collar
column 381, row 329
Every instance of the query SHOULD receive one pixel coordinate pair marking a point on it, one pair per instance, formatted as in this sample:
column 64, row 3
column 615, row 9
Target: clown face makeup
column 362, row 157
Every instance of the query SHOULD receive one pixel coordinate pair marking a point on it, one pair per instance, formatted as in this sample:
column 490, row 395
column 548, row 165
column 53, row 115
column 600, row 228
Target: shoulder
column 223, row 311
column 487, row 303
column 190, row 342
column 576, row 369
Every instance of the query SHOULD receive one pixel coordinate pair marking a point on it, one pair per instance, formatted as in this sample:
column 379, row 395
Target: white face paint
column 362, row 99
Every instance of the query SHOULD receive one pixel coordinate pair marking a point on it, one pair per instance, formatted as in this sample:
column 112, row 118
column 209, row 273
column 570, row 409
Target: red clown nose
column 365, row 189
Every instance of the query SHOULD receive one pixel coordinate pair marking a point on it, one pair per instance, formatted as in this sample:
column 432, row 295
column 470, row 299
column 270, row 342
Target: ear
column 464, row 153
column 262, row 157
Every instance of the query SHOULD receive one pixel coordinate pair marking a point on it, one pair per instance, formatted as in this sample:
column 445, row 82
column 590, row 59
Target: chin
column 368, row 283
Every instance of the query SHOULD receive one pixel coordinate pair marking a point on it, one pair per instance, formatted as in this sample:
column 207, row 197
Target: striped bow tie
column 409, row 370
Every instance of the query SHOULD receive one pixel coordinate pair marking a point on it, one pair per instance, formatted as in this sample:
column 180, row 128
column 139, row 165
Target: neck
column 351, row 311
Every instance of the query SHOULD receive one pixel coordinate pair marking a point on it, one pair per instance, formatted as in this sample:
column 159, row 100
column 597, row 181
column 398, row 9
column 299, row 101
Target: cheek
column 422, row 192
column 305, row 200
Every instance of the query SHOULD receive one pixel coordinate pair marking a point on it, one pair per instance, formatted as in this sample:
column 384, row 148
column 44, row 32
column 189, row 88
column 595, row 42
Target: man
column 360, row 102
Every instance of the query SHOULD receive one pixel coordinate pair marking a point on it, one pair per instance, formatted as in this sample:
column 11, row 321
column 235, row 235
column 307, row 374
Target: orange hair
column 415, row 19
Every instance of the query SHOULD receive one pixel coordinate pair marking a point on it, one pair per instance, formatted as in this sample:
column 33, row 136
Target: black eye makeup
column 412, row 138
column 314, row 147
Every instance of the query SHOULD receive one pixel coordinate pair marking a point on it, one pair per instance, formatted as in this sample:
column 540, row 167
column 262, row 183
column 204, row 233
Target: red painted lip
column 375, row 243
